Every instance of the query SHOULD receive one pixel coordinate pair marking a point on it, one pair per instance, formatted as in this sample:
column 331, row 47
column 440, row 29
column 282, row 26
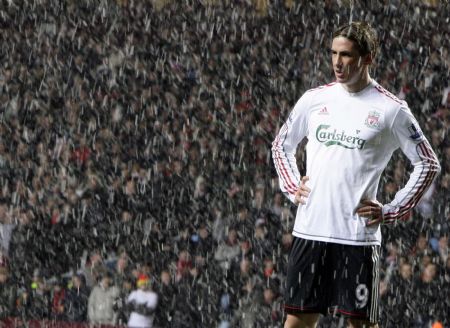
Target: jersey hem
column 337, row 240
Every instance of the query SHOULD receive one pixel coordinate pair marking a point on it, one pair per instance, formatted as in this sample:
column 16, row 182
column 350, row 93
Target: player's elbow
column 276, row 150
column 430, row 164
column 274, row 146
column 435, row 166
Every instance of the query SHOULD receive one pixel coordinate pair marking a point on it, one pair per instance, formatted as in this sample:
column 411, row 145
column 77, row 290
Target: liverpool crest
column 373, row 120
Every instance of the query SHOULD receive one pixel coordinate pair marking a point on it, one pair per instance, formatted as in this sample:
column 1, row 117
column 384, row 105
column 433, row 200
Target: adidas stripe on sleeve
column 284, row 148
column 426, row 166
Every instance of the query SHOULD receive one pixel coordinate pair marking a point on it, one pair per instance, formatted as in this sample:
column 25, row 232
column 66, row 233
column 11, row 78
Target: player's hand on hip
column 372, row 210
column 302, row 192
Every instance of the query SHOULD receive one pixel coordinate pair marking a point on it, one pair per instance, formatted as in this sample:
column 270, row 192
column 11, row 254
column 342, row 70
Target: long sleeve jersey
column 350, row 140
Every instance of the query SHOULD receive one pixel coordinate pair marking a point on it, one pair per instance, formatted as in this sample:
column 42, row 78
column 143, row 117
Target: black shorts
column 333, row 278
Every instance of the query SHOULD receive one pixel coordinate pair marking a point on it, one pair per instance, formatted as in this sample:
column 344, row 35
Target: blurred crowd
column 135, row 155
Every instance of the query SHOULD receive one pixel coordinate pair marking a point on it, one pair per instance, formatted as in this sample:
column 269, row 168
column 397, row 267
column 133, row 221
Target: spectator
column 91, row 267
column 166, row 296
column 101, row 301
column 276, row 206
column 243, row 223
column 269, row 270
column 262, row 245
column 76, row 299
column 39, row 305
column 271, row 310
column 8, row 294
column 187, row 312
column 182, row 240
column 120, row 267
column 58, row 295
column 184, row 265
column 397, row 296
column 219, row 225
column 202, row 242
column 240, row 278
column 259, row 307
column 421, row 247
column 442, row 247
column 286, row 244
column 123, row 312
column 228, row 250
column 426, row 297
column 142, row 303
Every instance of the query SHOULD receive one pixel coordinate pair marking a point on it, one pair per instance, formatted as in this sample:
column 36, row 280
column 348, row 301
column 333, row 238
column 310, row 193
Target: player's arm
column 416, row 147
column 284, row 148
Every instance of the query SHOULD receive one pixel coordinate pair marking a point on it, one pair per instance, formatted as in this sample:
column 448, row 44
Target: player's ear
column 367, row 59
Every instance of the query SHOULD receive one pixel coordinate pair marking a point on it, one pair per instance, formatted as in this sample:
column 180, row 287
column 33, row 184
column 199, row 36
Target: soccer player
column 353, row 126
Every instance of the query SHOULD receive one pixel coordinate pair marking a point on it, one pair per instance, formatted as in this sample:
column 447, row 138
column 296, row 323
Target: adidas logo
column 324, row 111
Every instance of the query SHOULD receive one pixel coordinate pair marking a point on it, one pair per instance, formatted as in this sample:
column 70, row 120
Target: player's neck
column 358, row 85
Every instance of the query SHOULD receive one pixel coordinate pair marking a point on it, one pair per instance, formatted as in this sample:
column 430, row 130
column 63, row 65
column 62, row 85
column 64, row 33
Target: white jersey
column 351, row 137
column 147, row 298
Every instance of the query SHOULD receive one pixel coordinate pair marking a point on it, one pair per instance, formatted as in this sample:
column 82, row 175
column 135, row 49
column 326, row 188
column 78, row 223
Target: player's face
column 349, row 67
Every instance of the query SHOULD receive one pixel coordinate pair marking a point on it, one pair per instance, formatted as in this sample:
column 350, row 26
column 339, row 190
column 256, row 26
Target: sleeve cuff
column 291, row 197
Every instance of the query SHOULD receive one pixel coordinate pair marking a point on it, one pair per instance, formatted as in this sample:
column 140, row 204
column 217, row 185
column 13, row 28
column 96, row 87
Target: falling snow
column 135, row 143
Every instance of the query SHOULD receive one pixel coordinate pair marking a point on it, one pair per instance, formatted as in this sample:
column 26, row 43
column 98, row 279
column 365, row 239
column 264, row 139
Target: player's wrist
column 391, row 216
